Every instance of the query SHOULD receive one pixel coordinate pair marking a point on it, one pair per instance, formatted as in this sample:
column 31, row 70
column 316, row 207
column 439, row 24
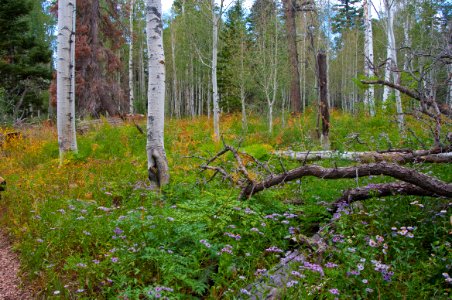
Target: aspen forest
column 225, row 149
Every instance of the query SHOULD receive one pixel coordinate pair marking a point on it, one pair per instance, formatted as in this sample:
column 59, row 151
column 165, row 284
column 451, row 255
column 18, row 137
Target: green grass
column 90, row 229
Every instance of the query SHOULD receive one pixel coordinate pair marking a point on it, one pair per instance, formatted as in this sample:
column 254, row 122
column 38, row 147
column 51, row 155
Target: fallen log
column 425, row 182
column 401, row 157
column 381, row 190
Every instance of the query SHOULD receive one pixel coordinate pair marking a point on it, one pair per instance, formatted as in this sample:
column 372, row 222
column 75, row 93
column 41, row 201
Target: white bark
column 407, row 64
column 369, row 156
column 391, row 64
column 66, row 77
column 369, row 97
column 215, row 96
column 157, row 163
column 131, row 94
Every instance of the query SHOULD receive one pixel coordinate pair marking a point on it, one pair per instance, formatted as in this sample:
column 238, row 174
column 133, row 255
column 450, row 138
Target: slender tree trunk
column 407, row 64
column 175, row 91
column 449, row 67
column 157, row 163
column 391, row 64
column 369, row 96
column 131, row 93
column 242, row 84
column 323, row 88
column 215, row 97
column 66, row 77
column 449, row 86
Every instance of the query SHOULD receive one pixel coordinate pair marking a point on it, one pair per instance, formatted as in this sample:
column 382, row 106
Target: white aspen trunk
column 215, row 96
column 391, row 65
column 157, row 163
column 209, row 97
column 270, row 117
column 407, row 64
column 369, row 96
column 142, row 76
column 66, row 77
column 131, row 94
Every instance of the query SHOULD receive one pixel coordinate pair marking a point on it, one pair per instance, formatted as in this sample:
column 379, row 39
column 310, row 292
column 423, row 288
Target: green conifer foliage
column 349, row 14
column 234, row 36
column 24, row 57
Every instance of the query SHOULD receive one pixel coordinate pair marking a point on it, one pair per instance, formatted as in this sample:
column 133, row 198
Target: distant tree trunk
column 66, row 77
column 175, row 91
column 157, row 163
column 407, row 64
column 391, row 63
column 449, row 67
column 215, row 97
column 131, row 94
column 369, row 100
column 323, row 88
column 449, row 86
column 289, row 10
column 242, row 84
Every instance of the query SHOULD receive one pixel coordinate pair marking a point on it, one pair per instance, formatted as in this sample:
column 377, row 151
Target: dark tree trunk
column 295, row 98
column 323, row 87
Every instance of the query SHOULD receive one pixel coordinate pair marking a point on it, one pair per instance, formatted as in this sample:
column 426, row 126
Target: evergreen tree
column 24, row 57
column 349, row 15
column 234, row 37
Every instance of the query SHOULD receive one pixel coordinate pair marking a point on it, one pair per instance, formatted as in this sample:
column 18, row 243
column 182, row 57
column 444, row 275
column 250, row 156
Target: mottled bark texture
column 157, row 163
column 65, row 77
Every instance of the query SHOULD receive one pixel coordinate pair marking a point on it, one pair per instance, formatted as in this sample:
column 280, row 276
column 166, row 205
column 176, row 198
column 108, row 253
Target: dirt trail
column 9, row 267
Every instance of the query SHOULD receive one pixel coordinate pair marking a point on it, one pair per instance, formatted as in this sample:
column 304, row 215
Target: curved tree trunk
column 157, row 164
column 65, row 77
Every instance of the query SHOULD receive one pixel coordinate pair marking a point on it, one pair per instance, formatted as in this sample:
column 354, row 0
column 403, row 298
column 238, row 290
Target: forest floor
column 91, row 229
column 10, row 283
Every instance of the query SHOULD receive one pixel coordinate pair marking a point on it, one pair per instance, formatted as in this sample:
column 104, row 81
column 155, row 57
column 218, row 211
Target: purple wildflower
column 245, row 291
column 114, row 259
column 205, row 243
column 260, row 272
column 334, row 291
column 372, row 243
column 330, row 265
column 226, row 249
column 274, row 249
column 118, row 231
column 292, row 283
column 313, row 267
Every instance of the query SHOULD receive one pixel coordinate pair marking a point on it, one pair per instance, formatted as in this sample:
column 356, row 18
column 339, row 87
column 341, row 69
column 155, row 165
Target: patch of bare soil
column 10, row 283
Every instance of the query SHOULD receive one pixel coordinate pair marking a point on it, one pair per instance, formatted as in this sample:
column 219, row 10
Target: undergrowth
column 91, row 228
